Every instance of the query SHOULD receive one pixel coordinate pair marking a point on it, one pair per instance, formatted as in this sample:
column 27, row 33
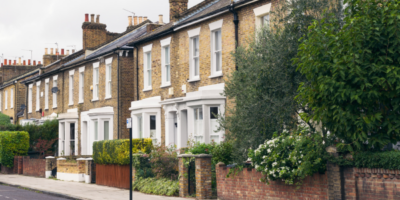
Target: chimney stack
column 67, row 52
column 140, row 20
column 92, row 18
column 51, row 51
column 135, row 20
column 144, row 18
column 176, row 8
column 62, row 52
column 34, row 63
column 29, row 61
column 5, row 61
column 19, row 61
column 86, row 17
column 94, row 33
column 24, row 63
column 160, row 19
column 45, row 51
column 98, row 19
column 129, row 20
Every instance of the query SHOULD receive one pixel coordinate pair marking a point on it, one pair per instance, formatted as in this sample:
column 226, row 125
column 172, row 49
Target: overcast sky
column 35, row 25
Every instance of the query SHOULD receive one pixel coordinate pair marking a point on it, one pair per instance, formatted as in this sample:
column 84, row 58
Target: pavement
column 75, row 190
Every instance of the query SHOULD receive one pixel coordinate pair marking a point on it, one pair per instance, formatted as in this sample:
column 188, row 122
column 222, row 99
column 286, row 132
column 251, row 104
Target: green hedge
column 4, row 119
column 385, row 160
column 117, row 151
column 157, row 186
column 13, row 143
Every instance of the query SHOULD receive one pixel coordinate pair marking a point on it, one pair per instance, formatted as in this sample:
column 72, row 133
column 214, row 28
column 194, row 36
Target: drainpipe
column 62, row 93
column 26, row 101
column 236, row 22
column 137, row 73
column 119, row 117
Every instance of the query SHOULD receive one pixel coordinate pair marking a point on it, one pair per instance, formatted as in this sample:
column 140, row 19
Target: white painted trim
column 96, row 65
column 71, row 177
column 147, row 48
column 165, row 42
column 82, row 69
column 55, row 77
column 30, row 85
column 46, row 80
column 216, row 25
column 71, row 72
column 194, row 32
column 38, row 83
column 262, row 10
column 109, row 60
column 216, row 76
column 48, row 174
column 88, row 178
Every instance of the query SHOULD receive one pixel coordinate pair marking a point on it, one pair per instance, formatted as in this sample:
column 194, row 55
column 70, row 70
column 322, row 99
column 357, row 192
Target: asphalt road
column 13, row 193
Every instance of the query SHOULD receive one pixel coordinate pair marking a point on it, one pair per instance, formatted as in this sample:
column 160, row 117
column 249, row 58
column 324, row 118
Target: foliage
column 12, row 143
column 266, row 82
column 142, row 166
column 385, row 160
column 156, row 186
column 290, row 157
column 47, row 131
column 117, row 151
column 164, row 162
column 220, row 152
column 42, row 146
column 4, row 119
column 353, row 74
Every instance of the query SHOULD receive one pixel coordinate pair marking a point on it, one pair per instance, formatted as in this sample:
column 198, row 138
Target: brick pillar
column 203, row 176
column 90, row 171
column 335, row 177
column 183, row 177
column 15, row 167
column 21, row 164
column 51, row 164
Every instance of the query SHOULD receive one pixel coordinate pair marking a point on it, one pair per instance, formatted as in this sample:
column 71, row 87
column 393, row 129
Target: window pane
column 72, row 131
column 109, row 72
column 213, row 112
column 140, row 127
column 106, row 130
column 196, row 67
column 152, row 122
column 167, row 56
column 217, row 39
column 148, row 77
column 97, row 75
column 96, row 131
column 215, row 138
column 196, row 46
column 167, row 69
column 265, row 20
column 149, row 60
column 200, row 113
column 218, row 61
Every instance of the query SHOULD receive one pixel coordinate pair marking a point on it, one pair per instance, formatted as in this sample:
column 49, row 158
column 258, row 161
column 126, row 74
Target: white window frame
column 147, row 71
column 259, row 13
column 81, row 84
column 166, row 43
column 96, row 84
column 30, row 90
column 1, row 100
column 71, row 87
column 194, row 33
column 46, row 93
column 108, row 77
column 5, row 100
column 216, row 27
column 38, row 95
column 11, row 98
column 55, row 94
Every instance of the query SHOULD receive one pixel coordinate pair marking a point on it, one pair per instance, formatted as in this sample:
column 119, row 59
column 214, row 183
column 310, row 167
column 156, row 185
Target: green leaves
column 359, row 71
column 13, row 143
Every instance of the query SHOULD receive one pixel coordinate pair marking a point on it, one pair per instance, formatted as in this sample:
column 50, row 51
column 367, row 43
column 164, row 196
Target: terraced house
column 183, row 65
column 89, row 91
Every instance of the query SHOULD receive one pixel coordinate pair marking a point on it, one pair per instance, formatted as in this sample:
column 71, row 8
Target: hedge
column 108, row 152
column 162, row 186
column 385, row 160
column 13, row 143
column 4, row 119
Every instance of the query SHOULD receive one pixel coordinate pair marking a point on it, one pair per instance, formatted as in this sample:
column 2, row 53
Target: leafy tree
column 266, row 83
column 353, row 74
column 4, row 119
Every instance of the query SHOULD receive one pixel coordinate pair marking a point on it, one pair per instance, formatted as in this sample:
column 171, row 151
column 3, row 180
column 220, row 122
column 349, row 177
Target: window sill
column 148, row 89
column 29, row 112
column 215, row 76
column 46, row 109
column 193, row 80
column 54, row 107
column 94, row 100
column 166, row 85
column 107, row 98
column 80, row 102
column 70, row 104
column 37, row 110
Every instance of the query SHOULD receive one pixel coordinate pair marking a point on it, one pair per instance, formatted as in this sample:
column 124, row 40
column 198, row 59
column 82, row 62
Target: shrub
column 4, row 119
column 290, row 157
column 13, row 143
column 157, row 186
column 117, row 151
column 164, row 162
column 222, row 153
column 385, row 160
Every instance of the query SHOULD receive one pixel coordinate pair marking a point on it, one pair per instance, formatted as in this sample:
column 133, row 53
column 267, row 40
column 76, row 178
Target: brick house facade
column 95, row 88
column 180, row 94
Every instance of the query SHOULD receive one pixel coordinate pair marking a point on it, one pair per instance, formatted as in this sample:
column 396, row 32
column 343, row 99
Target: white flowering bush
column 290, row 157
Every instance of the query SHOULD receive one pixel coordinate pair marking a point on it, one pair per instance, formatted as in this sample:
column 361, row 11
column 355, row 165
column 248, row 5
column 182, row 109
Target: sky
column 36, row 25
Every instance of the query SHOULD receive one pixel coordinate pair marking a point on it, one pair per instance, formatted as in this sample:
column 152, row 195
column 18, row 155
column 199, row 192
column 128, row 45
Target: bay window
column 198, row 125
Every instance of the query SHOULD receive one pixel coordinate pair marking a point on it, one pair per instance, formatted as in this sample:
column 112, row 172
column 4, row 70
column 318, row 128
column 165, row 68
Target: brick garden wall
column 34, row 167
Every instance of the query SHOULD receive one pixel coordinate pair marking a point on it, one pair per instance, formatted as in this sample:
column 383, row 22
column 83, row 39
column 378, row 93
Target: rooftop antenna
column 28, row 50
column 133, row 14
column 72, row 46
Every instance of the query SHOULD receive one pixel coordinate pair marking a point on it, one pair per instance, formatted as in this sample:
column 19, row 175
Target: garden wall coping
column 195, row 156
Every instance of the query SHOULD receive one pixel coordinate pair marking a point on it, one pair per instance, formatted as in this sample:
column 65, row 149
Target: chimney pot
column 39, row 63
column 135, row 20
column 140, row 20
column 45, row 51
column 34, row 63
column 160, row 19
column 9, row 62
column 67, row 52
column 62, row 51
column 5, row 61
column 98, row 19
column 73, row 50
column 86, row 17
column 19, row 61
column 144, row 18
column 92, row 18
column 51, row 51
column 129, row 20
column 15, row 62
column 29, row 61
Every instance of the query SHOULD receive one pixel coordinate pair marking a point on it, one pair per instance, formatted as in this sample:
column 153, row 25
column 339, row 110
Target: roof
column 201, row 10
column 10, row 82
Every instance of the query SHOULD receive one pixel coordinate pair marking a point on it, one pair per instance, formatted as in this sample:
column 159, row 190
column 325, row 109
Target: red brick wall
column 246, row 185
column 34, row 167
